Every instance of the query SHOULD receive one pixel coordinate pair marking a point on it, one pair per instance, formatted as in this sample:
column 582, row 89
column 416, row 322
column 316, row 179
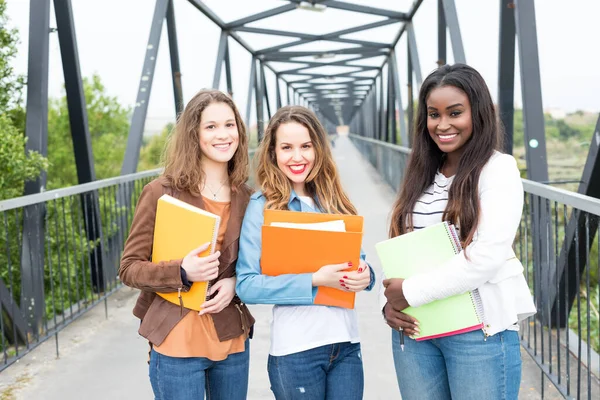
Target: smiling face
column 219, row 136
column 449, row 119
column 295, row 153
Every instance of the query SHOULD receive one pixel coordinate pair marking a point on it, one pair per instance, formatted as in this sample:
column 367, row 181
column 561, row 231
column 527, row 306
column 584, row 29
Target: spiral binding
column 453, row 236
column 475, row 297
column 477, row 304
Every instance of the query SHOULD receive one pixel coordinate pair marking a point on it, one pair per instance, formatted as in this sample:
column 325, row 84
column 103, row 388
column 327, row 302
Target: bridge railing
column 40, row 294
column 558, row 246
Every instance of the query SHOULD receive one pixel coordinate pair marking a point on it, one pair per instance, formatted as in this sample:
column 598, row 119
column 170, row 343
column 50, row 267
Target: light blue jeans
column 331, row 372
column 174, row 378
column 460, row 367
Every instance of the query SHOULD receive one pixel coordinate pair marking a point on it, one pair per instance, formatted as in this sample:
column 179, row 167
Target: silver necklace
column 214, row 193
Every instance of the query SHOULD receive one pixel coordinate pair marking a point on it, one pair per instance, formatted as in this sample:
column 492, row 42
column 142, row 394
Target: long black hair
column 426, row 157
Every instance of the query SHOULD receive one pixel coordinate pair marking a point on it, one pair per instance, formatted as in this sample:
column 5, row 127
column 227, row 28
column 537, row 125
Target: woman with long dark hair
column 456, row 173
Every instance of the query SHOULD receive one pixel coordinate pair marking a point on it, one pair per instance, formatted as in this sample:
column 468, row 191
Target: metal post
column 82, row 143
column 531, row 90
column 441, row 34
column 264, row 88
column 251, row 85
column 260, row 114
column 413, row 54
column 410, row 101
column 174, row 53
column 506, row 71
column 398, row 97
column 277, row 92
column 382, row 106
column 228, row 71
column 138, row 120
column 36, row 129
column 220, row 57
column 535, row 141
column 453, row 26
column 287, row 93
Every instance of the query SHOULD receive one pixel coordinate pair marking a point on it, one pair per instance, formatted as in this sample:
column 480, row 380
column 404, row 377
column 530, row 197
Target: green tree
column 151, row 153
column 108, row 123
column 16, row 166
column 11, row 84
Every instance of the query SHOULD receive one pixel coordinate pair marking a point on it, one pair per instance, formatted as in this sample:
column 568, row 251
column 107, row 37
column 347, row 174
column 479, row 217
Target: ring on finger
column 400, row 328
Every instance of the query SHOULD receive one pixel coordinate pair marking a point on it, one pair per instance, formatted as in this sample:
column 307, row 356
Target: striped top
column 430, row 207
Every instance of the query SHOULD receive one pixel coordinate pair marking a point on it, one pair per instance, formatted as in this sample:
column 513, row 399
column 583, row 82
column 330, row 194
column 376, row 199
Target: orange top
column 195, row 335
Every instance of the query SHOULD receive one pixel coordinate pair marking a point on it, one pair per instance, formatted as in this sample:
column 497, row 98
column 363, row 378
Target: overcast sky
column 112, row 37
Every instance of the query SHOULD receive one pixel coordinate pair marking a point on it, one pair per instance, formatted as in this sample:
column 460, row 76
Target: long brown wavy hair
column 182, row 157
column 426, row 158
column 322, row 183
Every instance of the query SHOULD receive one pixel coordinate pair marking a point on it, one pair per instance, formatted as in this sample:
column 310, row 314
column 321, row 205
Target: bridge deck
column 105, row 358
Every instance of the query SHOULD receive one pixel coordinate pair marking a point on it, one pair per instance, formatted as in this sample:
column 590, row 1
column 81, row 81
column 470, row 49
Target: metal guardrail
column 52, row 274
column 558, row 245
column 59, row 256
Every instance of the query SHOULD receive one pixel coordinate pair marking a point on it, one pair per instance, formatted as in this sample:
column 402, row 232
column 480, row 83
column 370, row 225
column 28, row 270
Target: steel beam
column 138, row 120
column 82, row 143
column 220, row 58
column 410, row 100
column 228, row 71
column 506, row 71
column 531, row 90
column 251, row 86
column 259, row 94
column 277, row 92
column 442, row 56
column 413, row 54
column 400, row 16
column 454, row 27
column 535, row 142
column 575, row 250
column 174, row 53
column 262, row 15
column 36, row 129
column 398, row 96
column 265, row 90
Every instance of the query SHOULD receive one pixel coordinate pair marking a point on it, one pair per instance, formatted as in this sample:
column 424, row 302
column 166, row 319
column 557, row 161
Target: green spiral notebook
column 423, row 250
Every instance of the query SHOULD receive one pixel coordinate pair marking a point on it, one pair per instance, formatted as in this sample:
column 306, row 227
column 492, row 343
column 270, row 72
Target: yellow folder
column 179, row 229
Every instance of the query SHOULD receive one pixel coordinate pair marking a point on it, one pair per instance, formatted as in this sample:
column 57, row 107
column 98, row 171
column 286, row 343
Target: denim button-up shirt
column 255, row 288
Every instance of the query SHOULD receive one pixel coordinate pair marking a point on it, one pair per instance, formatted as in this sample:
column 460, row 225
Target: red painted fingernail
column 349, row 264
column 345, row 277
column 341, row 281
column 360, row 270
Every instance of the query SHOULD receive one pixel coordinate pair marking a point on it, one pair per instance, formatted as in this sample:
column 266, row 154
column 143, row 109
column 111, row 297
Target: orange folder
column 180, row 228
column 297, row 251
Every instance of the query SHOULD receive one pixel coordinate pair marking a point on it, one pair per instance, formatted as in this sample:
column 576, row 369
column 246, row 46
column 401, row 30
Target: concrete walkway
column 104, row 358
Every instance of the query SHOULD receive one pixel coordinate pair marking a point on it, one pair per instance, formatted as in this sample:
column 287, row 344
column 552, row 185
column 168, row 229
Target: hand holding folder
column 288, row 250
column 179, row 228
column 425, row 250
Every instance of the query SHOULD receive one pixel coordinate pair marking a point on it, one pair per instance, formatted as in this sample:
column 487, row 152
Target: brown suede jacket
column 158, row 315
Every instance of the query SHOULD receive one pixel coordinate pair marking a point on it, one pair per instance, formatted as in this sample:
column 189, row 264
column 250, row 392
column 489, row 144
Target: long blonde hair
column 322, row 183
column 183, row 157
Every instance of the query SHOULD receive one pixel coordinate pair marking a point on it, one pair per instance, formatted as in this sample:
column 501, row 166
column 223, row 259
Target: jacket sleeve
column 363, row 257
column 501, row 206
column 253, row 287
column 136, row 269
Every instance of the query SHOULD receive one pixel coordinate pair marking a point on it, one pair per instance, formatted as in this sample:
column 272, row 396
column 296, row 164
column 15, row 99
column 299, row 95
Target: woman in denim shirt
column 315, row 350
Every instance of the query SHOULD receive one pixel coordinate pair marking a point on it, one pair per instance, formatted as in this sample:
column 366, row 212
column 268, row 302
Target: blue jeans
column 463, row 367
column 189, row 378
column 329, row 372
